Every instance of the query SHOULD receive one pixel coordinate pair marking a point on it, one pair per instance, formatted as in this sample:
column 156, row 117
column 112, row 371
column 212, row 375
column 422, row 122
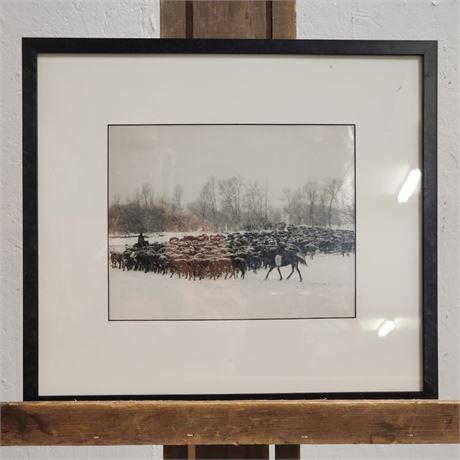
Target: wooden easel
column 228, row 429
column 229, row 19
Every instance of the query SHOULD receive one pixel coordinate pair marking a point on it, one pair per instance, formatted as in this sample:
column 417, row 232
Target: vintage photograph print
column 231, row 222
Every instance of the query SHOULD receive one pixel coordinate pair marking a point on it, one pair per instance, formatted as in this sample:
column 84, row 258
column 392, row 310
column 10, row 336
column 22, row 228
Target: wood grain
column 230, row 422
column 230, row 19
column 173, row 21
column 284, row 19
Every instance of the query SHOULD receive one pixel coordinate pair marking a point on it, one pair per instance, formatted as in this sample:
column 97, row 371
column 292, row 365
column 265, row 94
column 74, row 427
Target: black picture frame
column 426, row 50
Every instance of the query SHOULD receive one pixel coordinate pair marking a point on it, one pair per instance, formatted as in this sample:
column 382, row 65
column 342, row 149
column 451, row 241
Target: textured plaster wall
column 364, row 19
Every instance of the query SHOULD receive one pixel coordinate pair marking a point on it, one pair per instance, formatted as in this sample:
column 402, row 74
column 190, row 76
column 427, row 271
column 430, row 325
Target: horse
column 116, row 259
column 285, row 259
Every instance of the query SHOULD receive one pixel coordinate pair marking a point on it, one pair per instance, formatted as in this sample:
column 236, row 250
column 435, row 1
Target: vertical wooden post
column 173, row 19
column 269, row 19
column 272, row 19
column 213, row 452
column 287, row 452
column 230, row 19
column 284, row 24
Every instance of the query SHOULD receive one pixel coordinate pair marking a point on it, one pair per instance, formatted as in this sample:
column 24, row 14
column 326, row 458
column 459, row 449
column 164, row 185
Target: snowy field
column 327, row 290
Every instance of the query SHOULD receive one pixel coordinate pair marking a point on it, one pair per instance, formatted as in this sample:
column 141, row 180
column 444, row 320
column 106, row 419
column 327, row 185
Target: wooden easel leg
column 175, row 452
column 221, row 452
column 191, row 452
column 232, row 452
column 287, row 452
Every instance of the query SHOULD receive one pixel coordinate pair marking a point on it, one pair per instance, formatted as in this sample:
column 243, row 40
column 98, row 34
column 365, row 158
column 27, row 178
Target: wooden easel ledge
column 229, row 422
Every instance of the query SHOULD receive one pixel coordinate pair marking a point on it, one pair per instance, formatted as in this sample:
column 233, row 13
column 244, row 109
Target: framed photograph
column 229, row 219
column 228, row 207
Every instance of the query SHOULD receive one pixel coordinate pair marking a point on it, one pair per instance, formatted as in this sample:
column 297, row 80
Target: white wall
column 364, row 19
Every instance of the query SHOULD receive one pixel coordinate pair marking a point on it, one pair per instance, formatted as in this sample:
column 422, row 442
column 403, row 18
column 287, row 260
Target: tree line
column 232, row 204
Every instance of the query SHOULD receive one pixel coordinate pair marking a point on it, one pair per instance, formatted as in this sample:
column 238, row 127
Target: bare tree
column 146, row 196
column 253, row 199
column 320, row 210
column 230, row 191
column 208, row 200
column 298, row 207
column 312, row 191
column 287, row 196
column 239, row 182
column 266, row 200
column 332, row 189
column 176, row 202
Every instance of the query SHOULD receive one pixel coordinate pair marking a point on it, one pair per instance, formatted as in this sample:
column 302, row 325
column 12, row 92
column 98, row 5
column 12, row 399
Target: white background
column 412, row 19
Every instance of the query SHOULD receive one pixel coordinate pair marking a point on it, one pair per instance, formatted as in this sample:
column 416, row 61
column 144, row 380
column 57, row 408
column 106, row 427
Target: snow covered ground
column 327, row 290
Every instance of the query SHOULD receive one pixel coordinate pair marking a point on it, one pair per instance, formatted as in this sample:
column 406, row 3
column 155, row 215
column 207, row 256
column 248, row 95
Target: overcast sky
column 279, row 155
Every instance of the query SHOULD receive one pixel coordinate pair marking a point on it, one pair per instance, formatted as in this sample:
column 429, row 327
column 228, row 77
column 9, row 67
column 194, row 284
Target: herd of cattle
column 230, row 255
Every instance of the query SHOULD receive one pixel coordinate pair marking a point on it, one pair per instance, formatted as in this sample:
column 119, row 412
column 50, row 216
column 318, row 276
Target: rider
column 141, row 240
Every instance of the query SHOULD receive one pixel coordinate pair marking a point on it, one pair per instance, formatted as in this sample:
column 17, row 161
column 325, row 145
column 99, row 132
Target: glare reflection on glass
column 386, row 328
column 409, row 185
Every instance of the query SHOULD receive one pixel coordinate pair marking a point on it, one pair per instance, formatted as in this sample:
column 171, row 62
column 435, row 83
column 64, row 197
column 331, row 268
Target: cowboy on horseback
column 287, row 255
column 141, row 241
